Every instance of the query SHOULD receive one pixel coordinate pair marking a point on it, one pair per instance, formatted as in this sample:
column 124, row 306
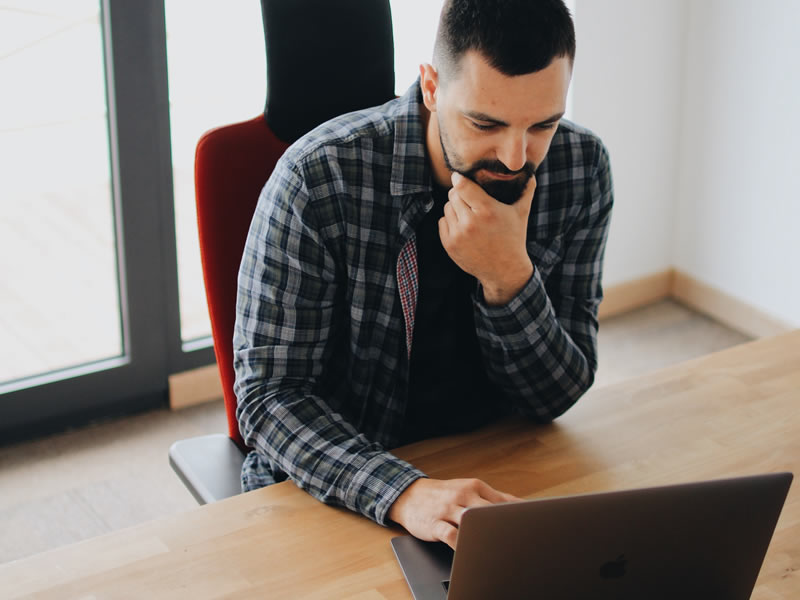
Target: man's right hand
column 431, row 509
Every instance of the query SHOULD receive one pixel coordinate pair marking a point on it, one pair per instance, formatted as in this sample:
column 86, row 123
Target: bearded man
column 423, row 268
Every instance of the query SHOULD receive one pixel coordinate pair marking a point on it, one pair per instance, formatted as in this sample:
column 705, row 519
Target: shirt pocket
column 545, row 254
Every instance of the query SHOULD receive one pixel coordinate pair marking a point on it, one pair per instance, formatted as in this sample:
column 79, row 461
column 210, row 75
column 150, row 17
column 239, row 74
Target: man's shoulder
column 370, row 127
column 575, row 146
column 575, row 174
column 577, row 136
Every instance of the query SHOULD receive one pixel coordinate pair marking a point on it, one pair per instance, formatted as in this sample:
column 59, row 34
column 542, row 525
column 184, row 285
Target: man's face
column 496, row 129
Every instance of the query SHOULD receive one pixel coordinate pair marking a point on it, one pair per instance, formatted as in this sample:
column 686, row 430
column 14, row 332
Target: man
column 425, row 267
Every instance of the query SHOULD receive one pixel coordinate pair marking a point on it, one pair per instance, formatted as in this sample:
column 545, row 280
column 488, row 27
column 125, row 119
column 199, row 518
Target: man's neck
column 433, row 144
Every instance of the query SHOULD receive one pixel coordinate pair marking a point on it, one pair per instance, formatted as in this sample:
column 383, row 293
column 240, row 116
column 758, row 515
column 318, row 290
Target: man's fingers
column 494, row 496
column 481, row 502
column 530, row 188
column 432, row 509
column 446, row 532
column 491, row 494
column 472, row 195
column 526, row 199
column 464, row 205
column 444, row 231
column 478, row 501
column 457, row 209
column 450, row 212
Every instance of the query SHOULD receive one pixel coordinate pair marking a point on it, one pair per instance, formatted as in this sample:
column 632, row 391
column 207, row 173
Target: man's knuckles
column 475, row 484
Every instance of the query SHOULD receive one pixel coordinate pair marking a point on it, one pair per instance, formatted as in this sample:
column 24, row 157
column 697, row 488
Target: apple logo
column 614, row 569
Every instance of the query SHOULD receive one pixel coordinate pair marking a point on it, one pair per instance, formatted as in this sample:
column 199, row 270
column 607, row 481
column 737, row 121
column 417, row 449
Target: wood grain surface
column 727, row 414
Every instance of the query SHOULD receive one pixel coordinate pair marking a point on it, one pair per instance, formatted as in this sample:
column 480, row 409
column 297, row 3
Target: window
column 415, row 23
column 205, row 92
column 59, row 295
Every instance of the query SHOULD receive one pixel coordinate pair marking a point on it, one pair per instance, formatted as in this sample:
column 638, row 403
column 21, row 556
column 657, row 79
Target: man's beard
column 505, row 191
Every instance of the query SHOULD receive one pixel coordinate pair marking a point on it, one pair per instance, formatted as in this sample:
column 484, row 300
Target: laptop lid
column 692, row 541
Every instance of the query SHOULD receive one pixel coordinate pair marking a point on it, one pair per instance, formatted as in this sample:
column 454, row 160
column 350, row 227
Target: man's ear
column 429, row 82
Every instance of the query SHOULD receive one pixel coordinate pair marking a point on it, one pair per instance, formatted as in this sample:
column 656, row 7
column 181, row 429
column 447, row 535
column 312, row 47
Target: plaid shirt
column 327, row 295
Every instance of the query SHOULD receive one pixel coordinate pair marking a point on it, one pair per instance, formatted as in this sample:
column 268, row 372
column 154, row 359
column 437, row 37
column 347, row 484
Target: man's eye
column 483, row 126
column 547, row 125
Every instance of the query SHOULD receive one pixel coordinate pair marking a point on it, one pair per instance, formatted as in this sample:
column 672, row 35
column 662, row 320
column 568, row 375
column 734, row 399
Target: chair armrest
column 210, row 466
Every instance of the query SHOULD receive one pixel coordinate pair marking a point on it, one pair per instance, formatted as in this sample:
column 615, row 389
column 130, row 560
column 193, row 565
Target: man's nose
column 514, row 151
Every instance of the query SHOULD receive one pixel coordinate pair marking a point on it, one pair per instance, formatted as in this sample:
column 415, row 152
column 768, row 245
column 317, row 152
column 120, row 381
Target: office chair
column 323, row 59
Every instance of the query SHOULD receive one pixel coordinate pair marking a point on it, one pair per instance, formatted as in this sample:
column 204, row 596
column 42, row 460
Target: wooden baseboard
column 194, row 387
column 725, row 308
column 695, row 294
column 624, row 297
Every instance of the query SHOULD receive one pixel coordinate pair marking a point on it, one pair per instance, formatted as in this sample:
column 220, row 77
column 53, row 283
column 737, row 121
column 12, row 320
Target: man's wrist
column 395, row 512
column 500, row 293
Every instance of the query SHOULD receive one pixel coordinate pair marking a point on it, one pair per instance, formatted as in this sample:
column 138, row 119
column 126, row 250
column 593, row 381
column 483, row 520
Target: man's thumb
column 526, row 199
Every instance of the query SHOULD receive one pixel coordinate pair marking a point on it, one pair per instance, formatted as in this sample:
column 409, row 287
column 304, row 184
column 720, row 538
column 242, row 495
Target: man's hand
column 431, row 509
column 486, row 238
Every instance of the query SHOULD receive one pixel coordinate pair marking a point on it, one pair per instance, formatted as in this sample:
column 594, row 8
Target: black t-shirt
column 449, row 390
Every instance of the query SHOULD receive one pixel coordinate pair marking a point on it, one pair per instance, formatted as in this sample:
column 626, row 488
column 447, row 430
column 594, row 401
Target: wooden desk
column 732, row 413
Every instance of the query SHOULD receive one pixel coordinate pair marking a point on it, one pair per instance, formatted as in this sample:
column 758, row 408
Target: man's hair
column 515, row 36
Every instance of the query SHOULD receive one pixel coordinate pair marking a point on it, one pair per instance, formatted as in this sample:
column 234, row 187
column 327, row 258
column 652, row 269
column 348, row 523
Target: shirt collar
column 411, row 172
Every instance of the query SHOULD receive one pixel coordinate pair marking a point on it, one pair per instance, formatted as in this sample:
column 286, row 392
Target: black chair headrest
column 325, row 58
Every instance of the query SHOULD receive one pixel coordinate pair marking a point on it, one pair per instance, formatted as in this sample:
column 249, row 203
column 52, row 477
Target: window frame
column 134, row 48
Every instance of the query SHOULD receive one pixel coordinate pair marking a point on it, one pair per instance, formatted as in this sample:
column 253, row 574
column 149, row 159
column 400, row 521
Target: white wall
column 738, row 210
column 699, row 104
column 414, row 23
column 628, row 87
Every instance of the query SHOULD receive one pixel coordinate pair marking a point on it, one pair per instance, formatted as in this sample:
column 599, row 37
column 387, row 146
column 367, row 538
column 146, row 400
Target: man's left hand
column 486, row 238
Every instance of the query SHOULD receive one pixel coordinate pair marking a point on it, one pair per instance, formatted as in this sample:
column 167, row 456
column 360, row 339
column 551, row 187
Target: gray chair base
column 210, row 466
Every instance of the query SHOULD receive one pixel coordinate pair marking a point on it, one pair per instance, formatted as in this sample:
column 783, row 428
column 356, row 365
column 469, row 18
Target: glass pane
column 217, row 76
column 414, row 23
column 59, row 292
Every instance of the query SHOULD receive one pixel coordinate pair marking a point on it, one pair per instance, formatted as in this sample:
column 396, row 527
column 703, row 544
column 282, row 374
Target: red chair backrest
column 231, row 166
column 323, row 59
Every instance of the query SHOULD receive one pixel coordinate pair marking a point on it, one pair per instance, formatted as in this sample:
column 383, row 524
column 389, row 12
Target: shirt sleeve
column 541, row 347
column 286, row 324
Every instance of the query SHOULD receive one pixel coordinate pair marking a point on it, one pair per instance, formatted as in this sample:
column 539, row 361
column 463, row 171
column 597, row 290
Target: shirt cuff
column 377, row 484
column 528, row 309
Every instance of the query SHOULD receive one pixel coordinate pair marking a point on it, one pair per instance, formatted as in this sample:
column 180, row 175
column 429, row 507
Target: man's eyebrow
column 551, row 119
column 479, row 116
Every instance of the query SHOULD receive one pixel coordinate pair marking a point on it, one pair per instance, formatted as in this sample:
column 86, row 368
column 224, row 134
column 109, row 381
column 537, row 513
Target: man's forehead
column 477, row 87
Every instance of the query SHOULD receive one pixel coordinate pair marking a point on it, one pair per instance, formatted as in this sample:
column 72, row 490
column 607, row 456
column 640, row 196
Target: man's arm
column 538, row 341
column 284, row 336
column 541, row 346
column 543, row 357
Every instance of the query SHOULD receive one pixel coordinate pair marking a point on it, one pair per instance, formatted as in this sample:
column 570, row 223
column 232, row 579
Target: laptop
column 703, row 540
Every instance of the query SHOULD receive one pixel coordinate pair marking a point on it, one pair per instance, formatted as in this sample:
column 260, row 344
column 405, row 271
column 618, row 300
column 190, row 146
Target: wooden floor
column 84, row 483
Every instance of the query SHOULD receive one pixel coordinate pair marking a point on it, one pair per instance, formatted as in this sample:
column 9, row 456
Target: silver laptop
column 691, row 541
